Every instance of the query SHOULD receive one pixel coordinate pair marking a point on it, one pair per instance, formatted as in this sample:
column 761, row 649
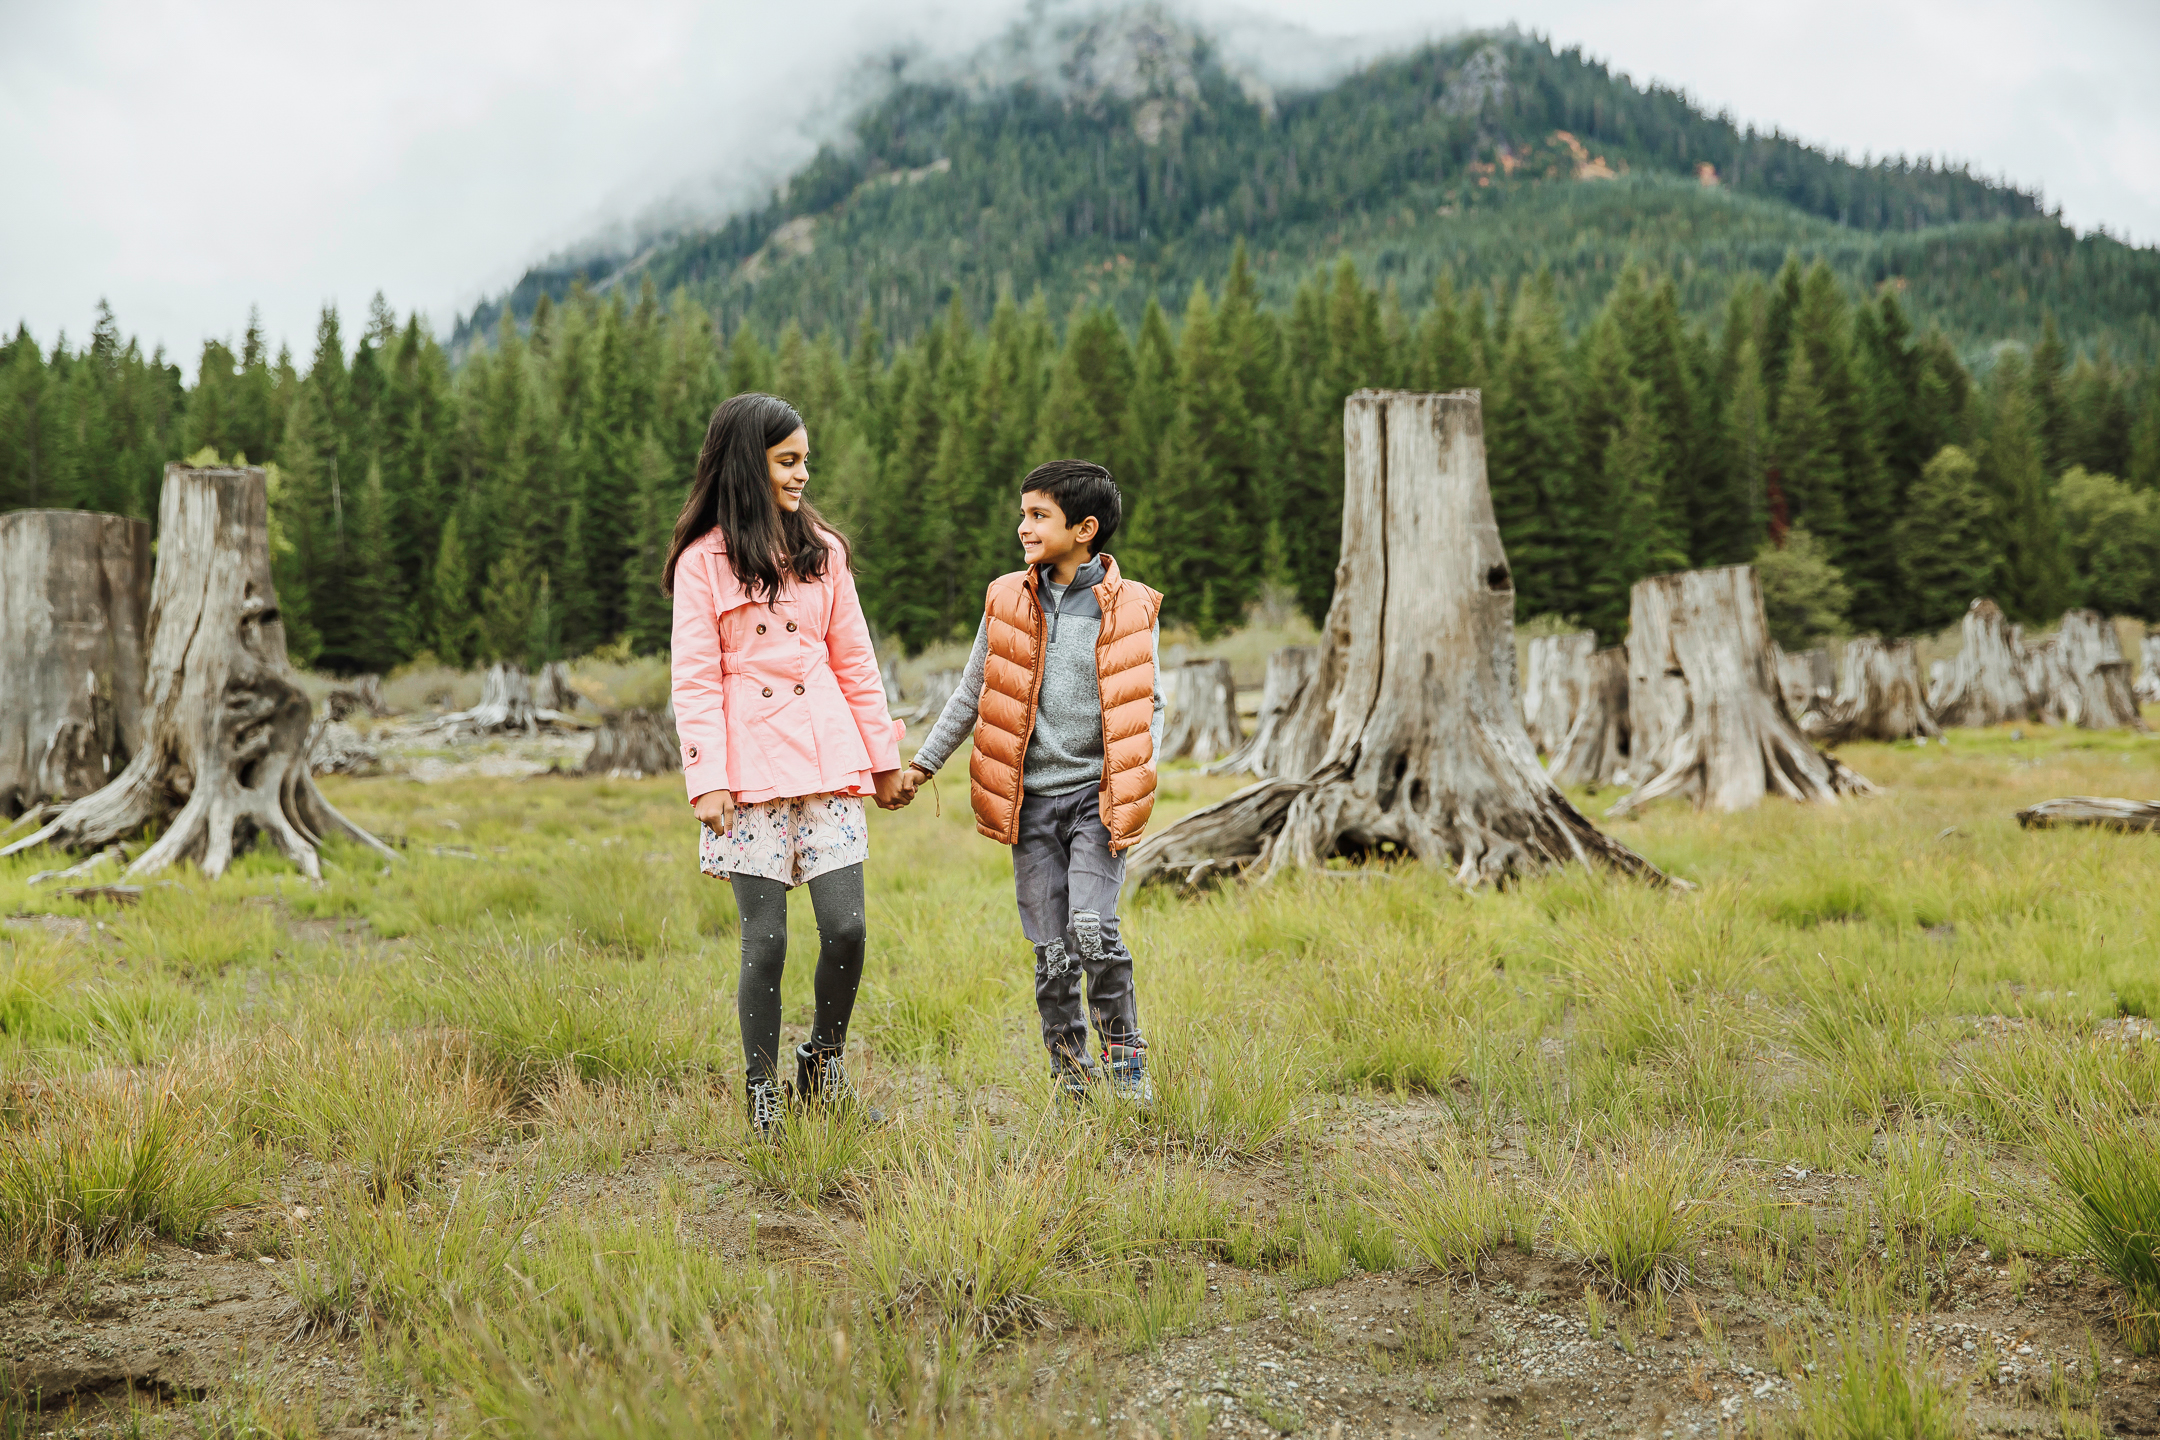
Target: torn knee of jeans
column 1087, row 934
column 1051, row 960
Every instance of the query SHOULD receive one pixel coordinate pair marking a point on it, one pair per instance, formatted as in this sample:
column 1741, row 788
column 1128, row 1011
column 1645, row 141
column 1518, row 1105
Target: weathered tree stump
column 889, row 677
column 1702, row 672
column 1879, row 697
column 938, row 687
column 2092, row 668
column 1289, row 672
column 2095, row 810
column 225, row 725
column 632, row 744
column 336, row 748
column 1555, row 673
column 552, row 691
column 2148, row 679
column 361, row 695
column 1985, row 684
column 507, row 705
column 1202, row 719
column 1809, row 682
column 1426, row 756
column 2050, row 690
column 74, row 600
column 1594, row 752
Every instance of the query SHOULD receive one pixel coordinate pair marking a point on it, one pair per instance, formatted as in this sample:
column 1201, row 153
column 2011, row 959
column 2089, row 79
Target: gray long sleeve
column 957, row 720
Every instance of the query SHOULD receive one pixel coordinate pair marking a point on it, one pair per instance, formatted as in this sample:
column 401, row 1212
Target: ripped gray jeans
column 1067, row 881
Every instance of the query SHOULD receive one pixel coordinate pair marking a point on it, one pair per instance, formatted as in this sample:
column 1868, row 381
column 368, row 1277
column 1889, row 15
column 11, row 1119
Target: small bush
column 2109, row 1167
column 1455, row 1213
column 1875, row 1387
column 1637, row 1219
column 102, row 1165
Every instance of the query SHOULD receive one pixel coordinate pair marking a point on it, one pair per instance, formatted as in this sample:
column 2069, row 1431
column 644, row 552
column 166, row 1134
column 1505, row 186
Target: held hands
column 895, row 788
column 717, row 809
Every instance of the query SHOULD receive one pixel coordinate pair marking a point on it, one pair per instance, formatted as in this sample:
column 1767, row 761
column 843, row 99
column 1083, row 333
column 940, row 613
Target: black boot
column 821, row 1078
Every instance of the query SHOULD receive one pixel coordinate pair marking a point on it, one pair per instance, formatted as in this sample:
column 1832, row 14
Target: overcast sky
column 185, row 160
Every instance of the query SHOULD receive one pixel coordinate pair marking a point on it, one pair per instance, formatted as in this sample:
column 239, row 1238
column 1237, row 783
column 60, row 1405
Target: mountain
column 1122, row 156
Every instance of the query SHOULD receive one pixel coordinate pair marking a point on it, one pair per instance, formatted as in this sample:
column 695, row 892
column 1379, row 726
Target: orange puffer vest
column 1012, row 679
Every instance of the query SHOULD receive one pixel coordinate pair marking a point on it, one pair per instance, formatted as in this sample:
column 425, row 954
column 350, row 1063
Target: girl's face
column 787, row 464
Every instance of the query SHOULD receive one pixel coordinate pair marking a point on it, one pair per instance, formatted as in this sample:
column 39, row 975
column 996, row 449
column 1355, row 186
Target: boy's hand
column 911, row 780
column 892, row 790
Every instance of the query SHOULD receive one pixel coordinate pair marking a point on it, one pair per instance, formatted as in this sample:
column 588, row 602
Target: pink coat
column 781, row 700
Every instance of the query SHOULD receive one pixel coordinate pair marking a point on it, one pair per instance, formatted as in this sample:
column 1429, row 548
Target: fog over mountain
column 187, row 164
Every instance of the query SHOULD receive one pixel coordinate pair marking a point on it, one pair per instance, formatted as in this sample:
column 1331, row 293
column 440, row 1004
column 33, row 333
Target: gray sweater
column 1065, row 753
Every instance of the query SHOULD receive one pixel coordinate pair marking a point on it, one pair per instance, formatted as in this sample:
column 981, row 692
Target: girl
column 783, row 726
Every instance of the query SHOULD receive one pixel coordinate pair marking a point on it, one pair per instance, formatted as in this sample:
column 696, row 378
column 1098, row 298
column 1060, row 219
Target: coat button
column 798, row 689
column 791, row 627
column 768, row 689
column 760, row 629
column 691, row 751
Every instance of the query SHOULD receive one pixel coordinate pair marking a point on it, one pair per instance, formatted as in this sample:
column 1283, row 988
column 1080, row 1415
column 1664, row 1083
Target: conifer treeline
column 520, row 507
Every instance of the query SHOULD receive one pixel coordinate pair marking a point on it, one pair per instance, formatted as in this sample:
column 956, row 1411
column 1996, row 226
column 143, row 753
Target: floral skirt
column 791, row 840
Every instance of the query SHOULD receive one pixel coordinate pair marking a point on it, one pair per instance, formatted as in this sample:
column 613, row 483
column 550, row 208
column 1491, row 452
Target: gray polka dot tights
column 837, row 898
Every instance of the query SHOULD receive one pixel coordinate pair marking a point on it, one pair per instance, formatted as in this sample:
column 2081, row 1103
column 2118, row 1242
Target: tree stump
column 1985, row 684
column 507, row 704
column 361, row 695
column 1702, row 669
column 938, row 687
column 1218, row 840
column 1202, row 723
column 225, row 725
column 552, row 691
column 336, row 748
column 1289, row 672
column 2093, row 669
column 2148, row 680
column 74, row 600
column 1879, row 697
column 2095, row 810
column 1425, row 756
column 1556, row 672
column 1594, row 752
column 632, row 744
column 1808, row 682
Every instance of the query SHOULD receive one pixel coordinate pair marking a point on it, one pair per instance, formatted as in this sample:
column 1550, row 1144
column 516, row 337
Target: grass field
column 1857, row 1138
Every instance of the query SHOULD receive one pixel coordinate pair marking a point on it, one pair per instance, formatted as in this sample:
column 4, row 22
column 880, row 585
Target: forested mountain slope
column 1129, row 167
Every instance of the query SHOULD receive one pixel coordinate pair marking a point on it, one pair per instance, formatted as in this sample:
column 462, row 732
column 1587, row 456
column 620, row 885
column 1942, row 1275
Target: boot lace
column 764, row 1106
column 834, row 1087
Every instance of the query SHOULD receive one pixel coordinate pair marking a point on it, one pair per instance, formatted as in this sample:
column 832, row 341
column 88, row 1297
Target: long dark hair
column 733, row 491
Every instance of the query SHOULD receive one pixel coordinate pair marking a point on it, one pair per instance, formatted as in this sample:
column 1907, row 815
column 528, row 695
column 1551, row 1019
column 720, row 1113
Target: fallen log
column 2094, row 810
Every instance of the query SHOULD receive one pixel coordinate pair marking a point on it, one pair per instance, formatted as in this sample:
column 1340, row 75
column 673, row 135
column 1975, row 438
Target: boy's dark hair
column 1081, row 489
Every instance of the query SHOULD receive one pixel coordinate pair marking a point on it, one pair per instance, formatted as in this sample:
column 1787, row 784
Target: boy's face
column 1045, row 538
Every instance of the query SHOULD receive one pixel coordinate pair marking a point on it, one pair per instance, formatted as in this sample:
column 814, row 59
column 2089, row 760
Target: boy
column 1064, row 763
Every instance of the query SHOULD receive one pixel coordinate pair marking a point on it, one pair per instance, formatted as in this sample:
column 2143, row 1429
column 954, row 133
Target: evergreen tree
column 1810, row 475
column 1626, row 495
column 506, row 608
column 1198, row 529
column 649, row 618
column 2035, row 581
column 1091, row 382
column 1946, row 541
column 1530, row 461
column 1805, row 598
column 374, row 590
column 1744, row 501
column 1445, row 358
column 456, row 631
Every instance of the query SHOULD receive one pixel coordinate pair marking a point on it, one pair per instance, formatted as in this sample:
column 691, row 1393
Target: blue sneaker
column 1127, row 1067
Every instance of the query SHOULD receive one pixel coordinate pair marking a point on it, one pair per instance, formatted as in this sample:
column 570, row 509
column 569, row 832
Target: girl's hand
column 892, row 793
column 717, row 809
